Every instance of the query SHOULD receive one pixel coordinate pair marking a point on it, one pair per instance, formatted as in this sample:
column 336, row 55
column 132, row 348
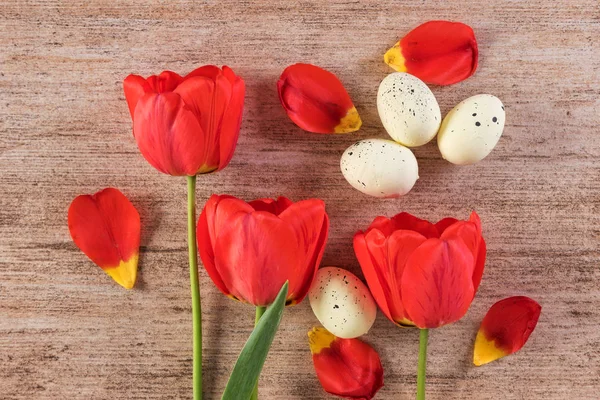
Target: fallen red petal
column 505, row 328
column 106, row 227
column 437, row 52
column 316, row 100
column 348, row 368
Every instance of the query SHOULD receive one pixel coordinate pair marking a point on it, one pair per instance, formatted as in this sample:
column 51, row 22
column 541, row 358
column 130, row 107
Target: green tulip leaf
column 250, row 362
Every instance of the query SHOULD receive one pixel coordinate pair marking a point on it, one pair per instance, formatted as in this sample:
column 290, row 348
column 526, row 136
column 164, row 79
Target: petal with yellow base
column 394, row 58
column 125, row 273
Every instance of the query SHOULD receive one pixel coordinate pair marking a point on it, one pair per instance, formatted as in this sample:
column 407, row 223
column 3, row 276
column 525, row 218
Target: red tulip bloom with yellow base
column 184, row 126
column 422, row 274
column 251, row 249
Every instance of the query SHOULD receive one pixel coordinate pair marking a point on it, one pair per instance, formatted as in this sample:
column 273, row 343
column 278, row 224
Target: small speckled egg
column 380, row 168
column 471, row 129
column 408, row 109
column 342, row 303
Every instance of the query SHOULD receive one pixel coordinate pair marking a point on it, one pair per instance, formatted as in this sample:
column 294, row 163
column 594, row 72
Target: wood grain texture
column 68, row 332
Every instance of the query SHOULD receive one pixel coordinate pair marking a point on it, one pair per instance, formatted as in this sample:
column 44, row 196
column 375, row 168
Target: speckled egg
column 408, row 109
column 380, row 168
column 471, row 129
column 342, row 303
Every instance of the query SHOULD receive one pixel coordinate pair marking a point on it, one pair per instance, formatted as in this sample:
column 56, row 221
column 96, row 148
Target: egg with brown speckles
column 408, row 110
column 472, row 129
column 342, row 303
column 380, row 168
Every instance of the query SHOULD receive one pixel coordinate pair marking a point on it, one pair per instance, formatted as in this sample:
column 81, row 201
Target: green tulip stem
column 259, row 313
column 423, row 336
column 195, row 287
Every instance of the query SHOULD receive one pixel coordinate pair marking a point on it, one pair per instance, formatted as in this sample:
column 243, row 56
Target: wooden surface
column 68, row 332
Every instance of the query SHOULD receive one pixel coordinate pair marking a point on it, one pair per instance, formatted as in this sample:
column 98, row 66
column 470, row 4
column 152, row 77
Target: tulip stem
column 423, row 336
column 195, row 287
column 259, row 313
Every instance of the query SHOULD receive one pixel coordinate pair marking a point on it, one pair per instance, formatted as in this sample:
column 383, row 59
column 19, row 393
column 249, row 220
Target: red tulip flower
column 420, row 273
column 437, row 52
column 316, row 100
column 186, row 125
column 250, row 249
column 348, row 368
column 505, row 328
column 106, row 227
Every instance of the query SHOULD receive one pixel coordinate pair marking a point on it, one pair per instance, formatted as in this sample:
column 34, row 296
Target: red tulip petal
column 230, row 75
column 275, row 207
column 389, row 257
column 467, row 232
column 207, row 99
column 370, row 271
column 348, row 368
column 310, row 223
column 166, row 82
column 443, row 224
column 505, row 328
column 383, row 225
column 470, row 233
column 438, row 52
column 254, row 253
column 437, row 284
column 207, row 71
column 316, row 100
column 232, row 119
column 479, row 265
column 206, row 241
column 409, row 222
column 168, row 134
column 135, row 87
column 106, row 227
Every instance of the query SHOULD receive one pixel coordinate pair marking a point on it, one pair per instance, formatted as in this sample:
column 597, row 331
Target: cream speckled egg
column 342, row 303
column 408, row 109
column 471, row 129
column 380, row 168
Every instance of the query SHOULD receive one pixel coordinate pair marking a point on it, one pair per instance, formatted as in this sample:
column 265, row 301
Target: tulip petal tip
column 350, row 123
column 394, row 58
column 319, row 339
column 486, row 351
column 125, row 274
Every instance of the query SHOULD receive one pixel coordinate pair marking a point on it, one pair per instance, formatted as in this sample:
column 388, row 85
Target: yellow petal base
column 125, row 273
column 405, row 323
column 207, row 169
column 350, row 123
column 319, row 339
column 394, row 58
column 485, row 350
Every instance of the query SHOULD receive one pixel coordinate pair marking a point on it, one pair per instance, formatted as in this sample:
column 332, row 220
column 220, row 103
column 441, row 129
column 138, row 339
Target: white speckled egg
column 471, row 129
column 380, row 168
column 408, row 109
column 342, row 303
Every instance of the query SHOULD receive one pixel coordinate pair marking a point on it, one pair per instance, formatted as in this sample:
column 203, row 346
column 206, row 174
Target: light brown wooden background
column 68, row 332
